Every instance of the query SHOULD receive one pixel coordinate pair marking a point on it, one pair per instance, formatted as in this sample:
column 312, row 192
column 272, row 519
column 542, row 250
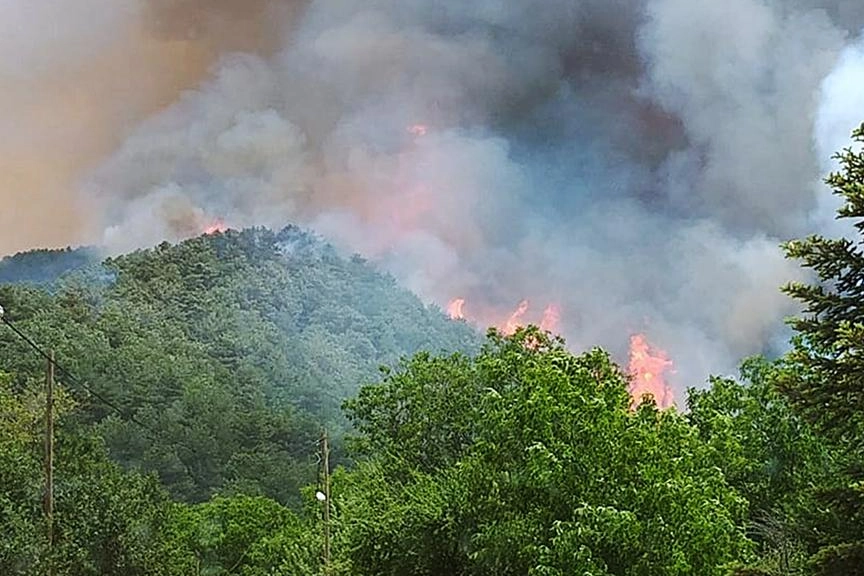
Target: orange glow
column 509, row 323
column 648, row 367
column 215, row 227
column 454, row 309
column 515, row 319
column 418, row 129
column 551, row 318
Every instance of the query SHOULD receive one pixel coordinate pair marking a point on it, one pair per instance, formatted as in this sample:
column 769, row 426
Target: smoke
column 841, row 106
column 637, row 162
column 75, row 78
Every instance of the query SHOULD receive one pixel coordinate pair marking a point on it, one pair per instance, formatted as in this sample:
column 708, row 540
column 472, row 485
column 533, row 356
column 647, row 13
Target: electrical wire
column 70, row 378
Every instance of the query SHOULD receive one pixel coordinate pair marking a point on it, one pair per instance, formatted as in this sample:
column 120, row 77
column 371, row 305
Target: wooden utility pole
column 325, row 460
column 49, row 451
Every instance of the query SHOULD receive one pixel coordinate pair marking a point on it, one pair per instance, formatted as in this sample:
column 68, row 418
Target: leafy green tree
column 770, row 455
column 527, row 460
column 106, row 522
column 23, row 541
column 253, row 536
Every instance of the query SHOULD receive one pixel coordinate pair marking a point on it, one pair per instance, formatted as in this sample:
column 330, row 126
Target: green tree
column 770, row 455
column 828, row 355
column 23, row 542
column 230, row 349
column 824, row 375
column 106, row 522
column 253, row 536
column 527, row 460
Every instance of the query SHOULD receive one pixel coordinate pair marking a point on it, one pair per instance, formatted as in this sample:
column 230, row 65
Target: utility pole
column 325, row 459
column 49, row 454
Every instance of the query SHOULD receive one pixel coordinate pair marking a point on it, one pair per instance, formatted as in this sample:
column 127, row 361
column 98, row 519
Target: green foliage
column 839, row 560
column 822, row 375
column 20, row 491
column 43, row 267
column 770, row 455
column 106, row 522
column 224, row 353
column 766, row 451
column 113, row 523
column 827, row 359
column 526, row 460
column 253, row 536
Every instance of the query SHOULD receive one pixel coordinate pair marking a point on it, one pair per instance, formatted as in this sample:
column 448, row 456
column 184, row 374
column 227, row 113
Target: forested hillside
column 224, row 354
column 43, row 267
column 207, row 370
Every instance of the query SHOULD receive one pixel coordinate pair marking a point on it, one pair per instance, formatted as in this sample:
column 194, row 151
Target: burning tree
column 526, row 459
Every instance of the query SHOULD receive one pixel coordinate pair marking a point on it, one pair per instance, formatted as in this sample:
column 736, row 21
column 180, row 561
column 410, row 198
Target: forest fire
column 515, row 319
column 418, row 129
column 648, row 366
column 454, row 309
column 215, row 227
column 550, row 321
column 551, row 318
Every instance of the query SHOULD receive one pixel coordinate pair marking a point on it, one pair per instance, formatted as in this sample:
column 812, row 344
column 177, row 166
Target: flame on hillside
column 551, row 318
column 454, row 309
column 515, row 320
column 215, row 227
column 648, row 367
column 512, row 321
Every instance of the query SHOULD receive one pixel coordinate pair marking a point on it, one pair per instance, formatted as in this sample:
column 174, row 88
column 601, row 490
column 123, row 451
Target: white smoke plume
column 636, row 162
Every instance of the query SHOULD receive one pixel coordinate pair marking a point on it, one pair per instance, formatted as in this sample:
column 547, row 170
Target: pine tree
column 826, row 376
column 824, row 372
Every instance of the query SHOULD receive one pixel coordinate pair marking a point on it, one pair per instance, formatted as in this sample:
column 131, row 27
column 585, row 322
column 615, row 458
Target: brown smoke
column 66, row 107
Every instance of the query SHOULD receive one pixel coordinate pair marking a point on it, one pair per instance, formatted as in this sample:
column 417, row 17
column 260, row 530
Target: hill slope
column 225, row 353
column 42, row 267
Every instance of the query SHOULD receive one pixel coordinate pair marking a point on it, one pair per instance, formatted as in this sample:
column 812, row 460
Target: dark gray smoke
column 636, row 162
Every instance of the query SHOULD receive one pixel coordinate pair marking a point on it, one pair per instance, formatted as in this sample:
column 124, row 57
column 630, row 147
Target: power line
column 72, row 379
column 67, row 375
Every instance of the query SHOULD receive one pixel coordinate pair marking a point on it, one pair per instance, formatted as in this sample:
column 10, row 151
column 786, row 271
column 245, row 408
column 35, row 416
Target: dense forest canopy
column 43, row 267
column 224, row 353
column 189, row 439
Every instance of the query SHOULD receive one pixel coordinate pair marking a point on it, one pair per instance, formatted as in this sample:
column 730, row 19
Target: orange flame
column 418, row 130
column 454, row 309
column 648, row 367
column 551, row 318
column 549, row 322
column 515, row 320
column 215, row 227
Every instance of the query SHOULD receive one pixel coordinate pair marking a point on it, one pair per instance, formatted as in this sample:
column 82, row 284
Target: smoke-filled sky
column 636, row 162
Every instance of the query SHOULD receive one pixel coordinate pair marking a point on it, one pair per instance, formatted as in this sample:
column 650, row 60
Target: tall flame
column 454, row 309
column 648, row 367
column 515, row 319
column 648, row 364
column 551, row 318
column 508, row 324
